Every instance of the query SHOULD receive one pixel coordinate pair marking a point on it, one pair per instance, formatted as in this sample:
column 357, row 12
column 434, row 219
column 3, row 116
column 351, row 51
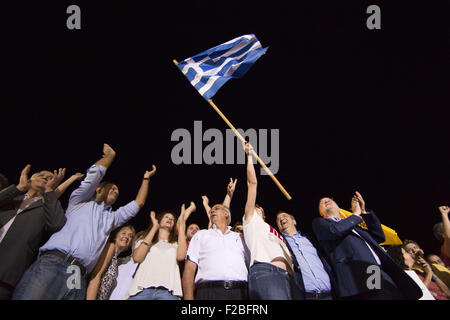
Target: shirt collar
column 335, row 219
column 297, row 233
column 106, row 207
column 217, row 230
column 26, row 196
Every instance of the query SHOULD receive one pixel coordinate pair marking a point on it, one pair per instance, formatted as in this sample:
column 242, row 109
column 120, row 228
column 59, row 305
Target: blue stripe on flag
column 216, row 86
column 233, row 60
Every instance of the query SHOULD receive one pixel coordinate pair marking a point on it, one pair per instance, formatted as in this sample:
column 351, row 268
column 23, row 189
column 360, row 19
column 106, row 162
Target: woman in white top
column 270, row 276
column 158, row 275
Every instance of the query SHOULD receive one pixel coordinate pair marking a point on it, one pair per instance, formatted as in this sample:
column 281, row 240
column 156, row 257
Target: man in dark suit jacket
column 29, row 213
column 356, row 256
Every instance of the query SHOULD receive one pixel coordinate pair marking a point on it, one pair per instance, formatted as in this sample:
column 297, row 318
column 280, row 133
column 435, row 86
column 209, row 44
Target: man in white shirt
column 221, row 258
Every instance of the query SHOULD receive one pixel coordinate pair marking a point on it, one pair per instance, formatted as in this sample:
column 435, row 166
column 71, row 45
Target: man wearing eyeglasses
column 29, row 213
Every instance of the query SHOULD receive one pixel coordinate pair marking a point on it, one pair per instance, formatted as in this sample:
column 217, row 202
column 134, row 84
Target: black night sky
column 357, row 109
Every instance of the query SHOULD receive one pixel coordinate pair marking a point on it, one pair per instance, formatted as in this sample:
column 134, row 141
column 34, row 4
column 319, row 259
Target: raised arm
column 141, row 251
column 54, row 213
column 444, row 210
column 143, row 190
column 325, row 230
column 125, row 213
column 373, row 223
column 181, row 226
column 205, row 202
column 66, row 184
column 108, row 156
column 230, row 191
column 100, row 267
column 251, row 183
column 94, row 175
column 9, row 193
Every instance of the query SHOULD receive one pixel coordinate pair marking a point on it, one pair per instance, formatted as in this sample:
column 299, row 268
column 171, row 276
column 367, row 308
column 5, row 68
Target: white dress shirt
column 219, row 257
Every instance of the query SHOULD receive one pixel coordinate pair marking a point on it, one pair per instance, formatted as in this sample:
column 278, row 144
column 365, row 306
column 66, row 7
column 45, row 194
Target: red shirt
column 446, row 259
column 434, row 289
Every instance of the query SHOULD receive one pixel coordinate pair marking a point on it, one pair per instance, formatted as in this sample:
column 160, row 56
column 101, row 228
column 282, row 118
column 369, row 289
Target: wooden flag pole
column 262, row 164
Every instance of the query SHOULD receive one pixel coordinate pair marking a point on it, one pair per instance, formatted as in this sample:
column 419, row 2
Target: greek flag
column 209, row 70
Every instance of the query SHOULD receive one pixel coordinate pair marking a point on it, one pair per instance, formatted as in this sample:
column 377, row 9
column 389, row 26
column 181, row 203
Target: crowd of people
column 90, row 251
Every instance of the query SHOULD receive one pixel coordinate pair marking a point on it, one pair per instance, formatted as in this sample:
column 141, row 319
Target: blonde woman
column 103, row 278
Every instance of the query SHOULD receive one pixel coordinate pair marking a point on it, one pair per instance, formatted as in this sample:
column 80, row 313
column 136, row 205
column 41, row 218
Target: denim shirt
column 315, row 278
column 89, row 223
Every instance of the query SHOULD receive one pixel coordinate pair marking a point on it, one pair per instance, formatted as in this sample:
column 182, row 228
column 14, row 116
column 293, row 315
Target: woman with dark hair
column 407, row 262
column 158, row 275
column 238, row 227
column 103, row 278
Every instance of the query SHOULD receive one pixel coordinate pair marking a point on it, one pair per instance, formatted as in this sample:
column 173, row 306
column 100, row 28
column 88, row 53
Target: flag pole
column 262, row 164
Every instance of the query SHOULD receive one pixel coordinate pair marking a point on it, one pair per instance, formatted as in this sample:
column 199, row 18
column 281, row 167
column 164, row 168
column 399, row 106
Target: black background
column 357, row 109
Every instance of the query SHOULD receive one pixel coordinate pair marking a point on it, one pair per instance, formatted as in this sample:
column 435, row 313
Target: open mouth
column 124, row 241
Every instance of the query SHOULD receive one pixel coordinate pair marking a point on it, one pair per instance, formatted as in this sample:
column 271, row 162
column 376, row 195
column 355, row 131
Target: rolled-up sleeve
column 86, row 190
column 194, row 249
column 125, row 213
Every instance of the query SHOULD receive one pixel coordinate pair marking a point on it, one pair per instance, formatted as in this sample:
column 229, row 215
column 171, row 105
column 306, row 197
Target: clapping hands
column 56, row 179
column 358, row 204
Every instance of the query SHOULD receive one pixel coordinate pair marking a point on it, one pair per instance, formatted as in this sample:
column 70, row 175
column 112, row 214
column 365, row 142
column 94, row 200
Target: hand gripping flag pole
column 209, row 70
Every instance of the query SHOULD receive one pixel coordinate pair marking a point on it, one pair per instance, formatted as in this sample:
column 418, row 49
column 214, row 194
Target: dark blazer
column 298, row 274
column 29, row 231
column 350, row 257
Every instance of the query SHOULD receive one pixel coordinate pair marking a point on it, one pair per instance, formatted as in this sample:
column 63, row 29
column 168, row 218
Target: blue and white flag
column 209, row 70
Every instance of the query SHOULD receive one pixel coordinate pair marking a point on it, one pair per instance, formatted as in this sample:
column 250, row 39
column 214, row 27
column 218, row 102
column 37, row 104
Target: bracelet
column 145, row 178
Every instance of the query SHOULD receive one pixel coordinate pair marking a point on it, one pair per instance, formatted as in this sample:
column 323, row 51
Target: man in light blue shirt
column 70, row 254
column 312, row 277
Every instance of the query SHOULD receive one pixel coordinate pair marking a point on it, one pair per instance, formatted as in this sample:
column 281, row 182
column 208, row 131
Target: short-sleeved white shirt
column 219, row 257
column 263, row 241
